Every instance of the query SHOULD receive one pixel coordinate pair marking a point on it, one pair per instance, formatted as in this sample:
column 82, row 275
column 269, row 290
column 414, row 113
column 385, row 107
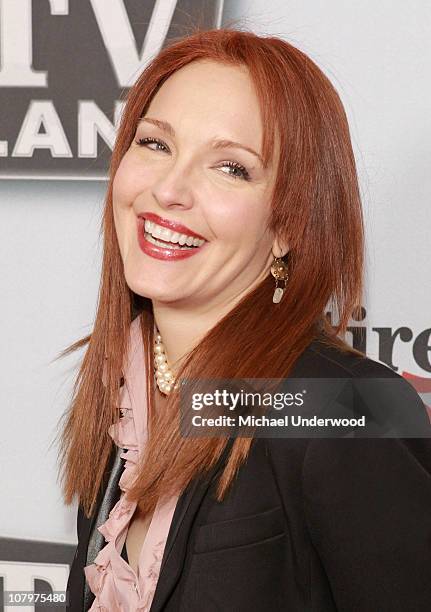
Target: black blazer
column 313, row 525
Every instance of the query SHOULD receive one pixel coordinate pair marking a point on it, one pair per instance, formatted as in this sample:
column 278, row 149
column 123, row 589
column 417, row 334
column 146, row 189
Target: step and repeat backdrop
column 64, row 69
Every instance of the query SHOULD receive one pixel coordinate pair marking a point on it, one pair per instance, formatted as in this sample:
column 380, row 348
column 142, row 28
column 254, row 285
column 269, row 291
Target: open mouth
column 166, row 238
column 168, row 245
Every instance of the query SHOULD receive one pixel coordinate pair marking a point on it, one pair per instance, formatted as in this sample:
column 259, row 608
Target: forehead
column 210, row 98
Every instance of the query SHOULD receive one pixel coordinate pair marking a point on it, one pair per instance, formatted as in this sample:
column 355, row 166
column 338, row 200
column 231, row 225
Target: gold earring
column 279, row 272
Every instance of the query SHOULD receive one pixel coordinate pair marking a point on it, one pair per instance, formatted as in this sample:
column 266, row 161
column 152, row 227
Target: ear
column 279, row 247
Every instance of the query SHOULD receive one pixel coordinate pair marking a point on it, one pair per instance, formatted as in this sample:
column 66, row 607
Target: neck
column 181, row 330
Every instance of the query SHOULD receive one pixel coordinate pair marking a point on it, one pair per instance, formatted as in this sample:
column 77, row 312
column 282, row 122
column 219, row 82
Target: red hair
column 315, row 206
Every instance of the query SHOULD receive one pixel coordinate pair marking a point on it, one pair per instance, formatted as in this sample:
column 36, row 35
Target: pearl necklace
column 164, row 376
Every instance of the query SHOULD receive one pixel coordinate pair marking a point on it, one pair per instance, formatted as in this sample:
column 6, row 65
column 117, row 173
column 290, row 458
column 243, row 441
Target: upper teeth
column 157, row 231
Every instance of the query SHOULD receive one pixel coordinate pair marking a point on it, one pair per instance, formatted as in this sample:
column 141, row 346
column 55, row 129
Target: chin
column 150, row 290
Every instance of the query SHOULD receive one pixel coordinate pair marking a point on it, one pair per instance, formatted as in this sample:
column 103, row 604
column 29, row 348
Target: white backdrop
column 378, row 56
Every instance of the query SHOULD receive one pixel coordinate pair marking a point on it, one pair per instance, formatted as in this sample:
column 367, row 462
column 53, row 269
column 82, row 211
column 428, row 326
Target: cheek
column 123, row 194
column 123, row 188
column 240, row 220
column 131, row 180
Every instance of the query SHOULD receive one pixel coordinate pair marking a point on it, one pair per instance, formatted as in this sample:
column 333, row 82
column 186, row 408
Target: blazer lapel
column 187, row 505
column 182, row 521
column 185, row 511
column 111, row 494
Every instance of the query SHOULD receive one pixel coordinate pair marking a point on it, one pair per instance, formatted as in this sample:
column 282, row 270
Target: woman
column 232, row 222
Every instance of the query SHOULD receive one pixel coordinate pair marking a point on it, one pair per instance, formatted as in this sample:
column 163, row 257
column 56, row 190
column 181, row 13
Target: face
column 179, row 182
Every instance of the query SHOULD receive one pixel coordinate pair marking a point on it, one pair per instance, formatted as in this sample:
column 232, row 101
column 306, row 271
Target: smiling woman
column 232, row 223
column 193, row 179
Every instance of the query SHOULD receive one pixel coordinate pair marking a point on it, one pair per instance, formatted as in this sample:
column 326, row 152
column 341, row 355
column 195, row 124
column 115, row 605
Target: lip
column 172, row 225
column 158, row 252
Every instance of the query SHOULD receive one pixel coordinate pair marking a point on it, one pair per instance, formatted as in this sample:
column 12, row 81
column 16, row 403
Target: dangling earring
column 279, row 272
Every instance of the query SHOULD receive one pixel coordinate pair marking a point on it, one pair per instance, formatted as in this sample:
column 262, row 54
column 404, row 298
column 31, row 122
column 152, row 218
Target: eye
column 143, row 141
column 236, row 166
column 230, row 164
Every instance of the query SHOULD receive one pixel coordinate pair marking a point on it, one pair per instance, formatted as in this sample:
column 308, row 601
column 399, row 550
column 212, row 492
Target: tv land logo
column 64, row 68
column 33, row 566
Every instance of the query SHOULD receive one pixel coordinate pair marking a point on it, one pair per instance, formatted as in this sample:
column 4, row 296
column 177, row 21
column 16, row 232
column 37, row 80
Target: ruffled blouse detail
column 114, row 583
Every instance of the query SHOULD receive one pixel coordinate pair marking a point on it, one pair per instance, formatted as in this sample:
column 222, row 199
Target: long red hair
column 315, row 206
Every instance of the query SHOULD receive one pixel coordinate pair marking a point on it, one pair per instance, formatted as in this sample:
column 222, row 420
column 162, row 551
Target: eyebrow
column 217, row 143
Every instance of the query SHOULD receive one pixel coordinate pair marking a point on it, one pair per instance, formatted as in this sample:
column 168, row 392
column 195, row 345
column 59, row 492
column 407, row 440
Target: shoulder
column 375, row 459
column 323, row 359
column 378, row 390
column 383, row 393
column 393, row 408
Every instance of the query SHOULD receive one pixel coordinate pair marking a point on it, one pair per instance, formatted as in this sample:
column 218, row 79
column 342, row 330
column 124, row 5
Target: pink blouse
column 117, row 588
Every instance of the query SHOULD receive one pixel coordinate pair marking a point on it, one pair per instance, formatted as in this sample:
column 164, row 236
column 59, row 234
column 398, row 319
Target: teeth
column 163, row 244
column 175, row 236
column 157, row 231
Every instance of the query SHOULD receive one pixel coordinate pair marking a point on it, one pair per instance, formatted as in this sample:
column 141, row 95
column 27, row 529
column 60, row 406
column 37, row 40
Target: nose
column 172, row 189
